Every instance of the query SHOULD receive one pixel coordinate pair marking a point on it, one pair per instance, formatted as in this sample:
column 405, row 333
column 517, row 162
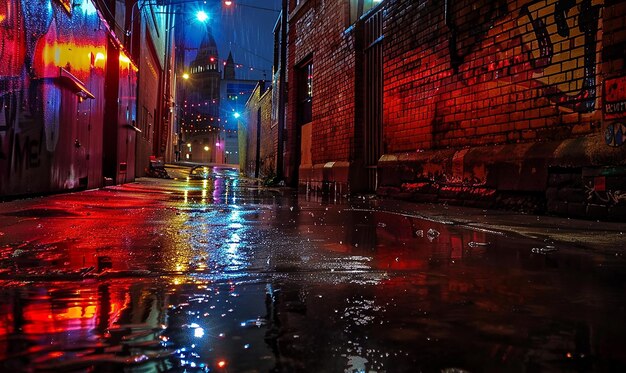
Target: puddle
column 192, row 276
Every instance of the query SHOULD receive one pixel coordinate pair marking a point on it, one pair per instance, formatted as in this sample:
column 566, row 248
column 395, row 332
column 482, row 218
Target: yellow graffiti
column 565, row 68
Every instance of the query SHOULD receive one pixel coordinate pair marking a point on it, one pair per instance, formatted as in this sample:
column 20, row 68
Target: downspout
column 282, row 92
column 164, row 87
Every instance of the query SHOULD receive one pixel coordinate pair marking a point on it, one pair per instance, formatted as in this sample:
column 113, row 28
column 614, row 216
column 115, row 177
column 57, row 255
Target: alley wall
column 499, row 103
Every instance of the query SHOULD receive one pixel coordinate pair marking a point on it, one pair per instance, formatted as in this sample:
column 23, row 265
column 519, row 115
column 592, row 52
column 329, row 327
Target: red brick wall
column 490, row 72
column 269, row 136
column 613, row 58
column 318, row 28
column 247, row 152
column 261, row 99
column 614, row 38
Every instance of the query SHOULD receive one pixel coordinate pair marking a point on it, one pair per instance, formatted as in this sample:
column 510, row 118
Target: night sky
column 242, row 29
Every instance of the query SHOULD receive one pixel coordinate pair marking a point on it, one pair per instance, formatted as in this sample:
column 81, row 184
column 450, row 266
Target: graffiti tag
column 614, row 111
column 552, row 45
column 20, row 151
column 564, row 45
column 27, row 152
column 473, row 28
column 615, row 134
column 615, row 98
column 612, row 197
column 67, row 5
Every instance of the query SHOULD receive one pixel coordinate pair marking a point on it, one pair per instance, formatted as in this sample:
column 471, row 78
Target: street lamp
column 230, row 3
column 202, row 16
column 180, row 114
column 138, row 6
column 208, row 155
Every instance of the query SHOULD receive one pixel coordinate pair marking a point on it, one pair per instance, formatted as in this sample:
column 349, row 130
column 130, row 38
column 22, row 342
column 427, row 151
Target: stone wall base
column 581, row 178
column 330, row 177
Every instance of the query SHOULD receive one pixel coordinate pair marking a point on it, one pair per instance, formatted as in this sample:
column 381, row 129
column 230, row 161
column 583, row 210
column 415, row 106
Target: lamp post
column 282, row 92
column 181, row 118
column 202, row 17
column 219, row 156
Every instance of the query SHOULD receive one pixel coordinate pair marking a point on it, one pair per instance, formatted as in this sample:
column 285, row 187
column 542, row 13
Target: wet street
column 219, row 274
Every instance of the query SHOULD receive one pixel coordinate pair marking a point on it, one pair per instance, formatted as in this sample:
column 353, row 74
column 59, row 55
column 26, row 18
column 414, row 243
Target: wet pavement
column 221, row 274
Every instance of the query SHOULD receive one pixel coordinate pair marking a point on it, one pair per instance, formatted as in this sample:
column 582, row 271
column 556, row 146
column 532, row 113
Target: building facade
column 258, row 135
column 484, row 103
column 234, row 92
column 69, row 93
column 212, row 100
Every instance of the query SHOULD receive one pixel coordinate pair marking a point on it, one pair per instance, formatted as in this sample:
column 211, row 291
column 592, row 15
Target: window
column 360, row 7
column 305, row 92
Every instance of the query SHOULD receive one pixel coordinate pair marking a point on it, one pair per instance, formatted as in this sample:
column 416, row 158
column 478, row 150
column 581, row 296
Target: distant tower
column 229, row 68
column 206, row 76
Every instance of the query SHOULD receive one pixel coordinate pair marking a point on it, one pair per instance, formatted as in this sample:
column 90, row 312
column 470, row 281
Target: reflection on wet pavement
column 217, row 274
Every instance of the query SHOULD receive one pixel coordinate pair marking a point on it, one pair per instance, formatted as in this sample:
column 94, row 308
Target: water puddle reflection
column 220, row 275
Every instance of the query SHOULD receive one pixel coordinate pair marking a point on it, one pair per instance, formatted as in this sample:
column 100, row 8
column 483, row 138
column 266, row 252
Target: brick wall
column 484, row 101
column 490, row 72
column 269, row 137
column 260, row 101
column 507, row 103
column 249, row 125
column 318, row 29
column 614, row 38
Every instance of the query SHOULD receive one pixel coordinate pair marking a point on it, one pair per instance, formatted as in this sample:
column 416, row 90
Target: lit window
column 360, row 7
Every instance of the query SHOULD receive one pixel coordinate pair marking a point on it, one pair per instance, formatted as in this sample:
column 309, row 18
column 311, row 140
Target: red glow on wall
column 13, row 41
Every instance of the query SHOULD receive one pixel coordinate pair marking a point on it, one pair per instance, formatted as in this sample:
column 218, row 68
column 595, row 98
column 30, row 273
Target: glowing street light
column 202, row 16
column 228, row 3
column 208, row 155
column 185, row 76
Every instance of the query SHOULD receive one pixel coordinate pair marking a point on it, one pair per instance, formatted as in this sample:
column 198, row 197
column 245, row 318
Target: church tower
column 229, row 68
column 204, row 70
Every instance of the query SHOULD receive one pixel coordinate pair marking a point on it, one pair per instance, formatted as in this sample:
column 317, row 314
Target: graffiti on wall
column 46, row 58
column 597, row 192
column 614, row 111
column 550, row 45
column 466, row 35
column 564, row 50
column 67, row 5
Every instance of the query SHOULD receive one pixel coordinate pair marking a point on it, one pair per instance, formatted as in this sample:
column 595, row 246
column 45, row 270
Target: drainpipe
column 282, row 92
column 165, row 94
